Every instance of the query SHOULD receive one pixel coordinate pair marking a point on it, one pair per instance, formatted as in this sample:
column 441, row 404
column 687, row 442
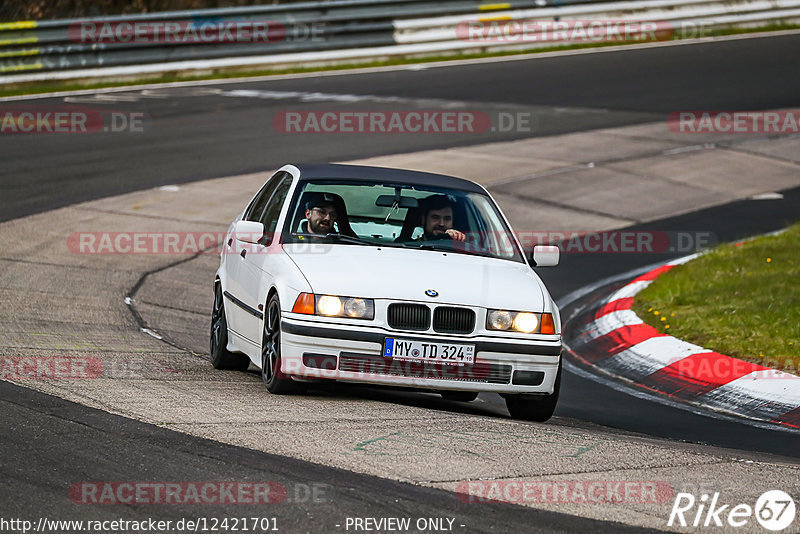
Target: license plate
column 445, row 353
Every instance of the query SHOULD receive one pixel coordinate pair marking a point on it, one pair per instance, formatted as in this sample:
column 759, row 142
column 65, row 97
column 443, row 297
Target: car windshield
column 399, row 215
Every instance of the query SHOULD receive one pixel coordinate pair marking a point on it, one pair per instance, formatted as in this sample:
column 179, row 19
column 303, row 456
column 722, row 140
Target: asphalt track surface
column 196, row 137
column 49, row 443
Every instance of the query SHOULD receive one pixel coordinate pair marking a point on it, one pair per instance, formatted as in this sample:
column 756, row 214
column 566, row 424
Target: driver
column 321, row 214
column 437, row 219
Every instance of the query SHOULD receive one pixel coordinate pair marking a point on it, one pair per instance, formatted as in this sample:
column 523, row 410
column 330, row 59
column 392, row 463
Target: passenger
column 437, row 219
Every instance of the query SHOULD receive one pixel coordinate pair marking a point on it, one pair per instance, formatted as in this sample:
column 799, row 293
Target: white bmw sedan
column 388, row 277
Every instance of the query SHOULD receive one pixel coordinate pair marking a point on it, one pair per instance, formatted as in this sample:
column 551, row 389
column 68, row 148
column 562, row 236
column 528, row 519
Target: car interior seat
column 411, row 223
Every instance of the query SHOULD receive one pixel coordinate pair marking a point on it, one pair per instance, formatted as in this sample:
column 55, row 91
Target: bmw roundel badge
column 432, row 293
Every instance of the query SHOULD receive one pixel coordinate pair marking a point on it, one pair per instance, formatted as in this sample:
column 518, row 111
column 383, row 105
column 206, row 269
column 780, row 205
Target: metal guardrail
column 324, row 31
column 687, row 18
column 57, row 44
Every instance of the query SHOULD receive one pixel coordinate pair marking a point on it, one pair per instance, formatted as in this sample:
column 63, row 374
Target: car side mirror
column 249, row 231
column 545, row 255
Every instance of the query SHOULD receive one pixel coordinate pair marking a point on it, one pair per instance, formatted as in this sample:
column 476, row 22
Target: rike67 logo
column 774, row 510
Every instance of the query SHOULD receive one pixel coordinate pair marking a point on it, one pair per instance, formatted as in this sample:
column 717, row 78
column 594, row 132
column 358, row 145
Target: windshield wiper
column 452, row 247
column 340, row 237
column 432, row 245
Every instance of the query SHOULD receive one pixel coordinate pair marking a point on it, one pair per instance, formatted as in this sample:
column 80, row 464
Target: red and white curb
column 617, row 341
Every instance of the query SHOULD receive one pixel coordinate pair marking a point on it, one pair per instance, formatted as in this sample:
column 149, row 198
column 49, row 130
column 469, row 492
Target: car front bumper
column 314, row 350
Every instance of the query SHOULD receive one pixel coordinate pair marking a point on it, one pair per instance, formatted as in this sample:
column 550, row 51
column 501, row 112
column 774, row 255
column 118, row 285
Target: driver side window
column 273, row 208
column 255, row 210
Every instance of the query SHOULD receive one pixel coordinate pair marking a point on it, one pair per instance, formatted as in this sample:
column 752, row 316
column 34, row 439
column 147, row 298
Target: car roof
column 370, row 174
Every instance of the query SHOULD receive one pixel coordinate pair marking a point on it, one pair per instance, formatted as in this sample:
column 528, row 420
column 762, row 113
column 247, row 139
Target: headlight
column 329, row 305
column 499, row 320
column 524, row 322
column 355, row 307
column 334, row 306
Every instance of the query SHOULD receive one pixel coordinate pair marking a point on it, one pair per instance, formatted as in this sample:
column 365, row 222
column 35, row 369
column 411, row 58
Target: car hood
column 406, row 274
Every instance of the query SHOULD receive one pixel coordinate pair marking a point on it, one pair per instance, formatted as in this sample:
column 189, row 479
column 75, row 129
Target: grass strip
column 741, row 300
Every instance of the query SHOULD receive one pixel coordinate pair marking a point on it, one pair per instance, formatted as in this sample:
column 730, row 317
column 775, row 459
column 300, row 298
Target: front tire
column 535, row 408
column 221, row 357
column 276, row 382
